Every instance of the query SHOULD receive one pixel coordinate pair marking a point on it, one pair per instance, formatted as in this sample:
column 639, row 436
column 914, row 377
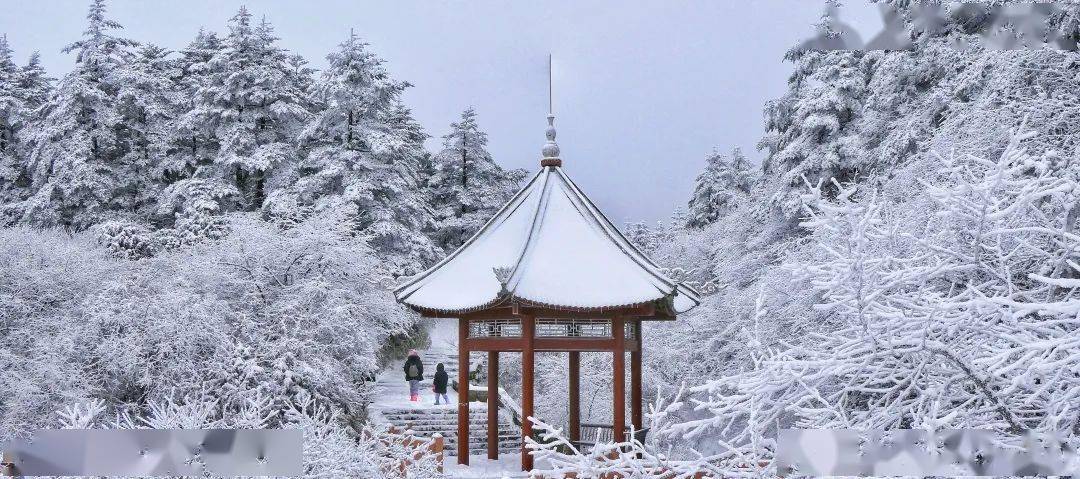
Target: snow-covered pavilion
column 549, row 272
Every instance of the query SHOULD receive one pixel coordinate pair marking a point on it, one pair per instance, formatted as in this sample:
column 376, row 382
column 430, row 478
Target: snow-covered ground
column 508, row 465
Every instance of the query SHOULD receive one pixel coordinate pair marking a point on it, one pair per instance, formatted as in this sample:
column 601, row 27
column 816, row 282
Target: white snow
column 465, row 278
column 508, row 465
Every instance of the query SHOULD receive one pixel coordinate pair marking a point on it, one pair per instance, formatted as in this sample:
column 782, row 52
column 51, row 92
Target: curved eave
column 663, row 308
column 688, row 296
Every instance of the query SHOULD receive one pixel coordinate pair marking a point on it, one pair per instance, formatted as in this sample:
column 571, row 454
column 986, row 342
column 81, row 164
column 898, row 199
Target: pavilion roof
column 548, row 246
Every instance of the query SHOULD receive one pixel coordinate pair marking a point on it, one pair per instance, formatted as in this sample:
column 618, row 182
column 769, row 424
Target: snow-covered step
column 426, row 419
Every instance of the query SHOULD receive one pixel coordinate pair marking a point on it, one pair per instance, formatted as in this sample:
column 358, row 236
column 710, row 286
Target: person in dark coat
column 441, row 380
column 414, row 373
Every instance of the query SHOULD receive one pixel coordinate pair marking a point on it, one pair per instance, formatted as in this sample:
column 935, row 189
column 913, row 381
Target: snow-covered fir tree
column 467, row 185
column 23, row 92
column 192, row 138
column 10, row 103
column 149, row 104
column 252, row 106
column 11, row 106
column 718, row 187
column 79, row 136
column 34, row 84
column 362, row 152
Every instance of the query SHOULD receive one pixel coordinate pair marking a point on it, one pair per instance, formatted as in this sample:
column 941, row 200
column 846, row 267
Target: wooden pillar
column 528, row 358
column 493, row 405
column 463, row 393
column 619, row 383
column 575, row 396
column 635, row 381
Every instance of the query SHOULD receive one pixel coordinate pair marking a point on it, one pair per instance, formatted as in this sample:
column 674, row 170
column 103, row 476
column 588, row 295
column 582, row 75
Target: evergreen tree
column 252, row 105
column 718, row 187
column 34, row 86
column 362, row 151
column 468, row 186
column 196, row 192
column 22, row 95
column 11, row 105
column 191, row 137
column 10, row 101
column 149, row 104
column 75, row 147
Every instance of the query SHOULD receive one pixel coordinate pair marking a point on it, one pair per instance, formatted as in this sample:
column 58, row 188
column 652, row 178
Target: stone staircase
column 427, row 422
column 425, row 419
column 431, row 360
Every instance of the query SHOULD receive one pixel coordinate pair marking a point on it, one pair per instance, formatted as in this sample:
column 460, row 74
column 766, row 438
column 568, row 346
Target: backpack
column 413, row 371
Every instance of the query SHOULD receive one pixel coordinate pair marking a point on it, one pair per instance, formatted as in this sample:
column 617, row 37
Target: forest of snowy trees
column 152, row 148
column 217, row 225
column 205, row 238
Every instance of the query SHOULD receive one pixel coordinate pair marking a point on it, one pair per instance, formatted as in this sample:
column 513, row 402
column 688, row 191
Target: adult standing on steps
column 414, row 373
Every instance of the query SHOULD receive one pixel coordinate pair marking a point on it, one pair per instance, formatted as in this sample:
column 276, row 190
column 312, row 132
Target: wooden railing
column 591, row 434
column 435, row 444
column 7, row 464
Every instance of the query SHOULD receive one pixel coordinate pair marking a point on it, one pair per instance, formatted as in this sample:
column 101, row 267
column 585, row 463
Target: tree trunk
column 260, row 182
column 464, row 164
column 348, row 140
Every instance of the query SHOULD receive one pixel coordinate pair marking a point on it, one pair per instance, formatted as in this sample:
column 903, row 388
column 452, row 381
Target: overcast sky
column 643, row 90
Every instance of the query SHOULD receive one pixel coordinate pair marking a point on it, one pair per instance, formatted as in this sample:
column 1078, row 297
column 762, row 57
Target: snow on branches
column 962, row 315
column 560, row 458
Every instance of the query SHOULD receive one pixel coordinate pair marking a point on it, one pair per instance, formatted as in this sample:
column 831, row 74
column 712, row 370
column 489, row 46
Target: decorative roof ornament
column 551, row 149
column 503, row 274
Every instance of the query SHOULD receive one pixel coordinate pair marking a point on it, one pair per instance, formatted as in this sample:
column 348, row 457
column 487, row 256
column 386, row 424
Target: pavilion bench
column 591, row 434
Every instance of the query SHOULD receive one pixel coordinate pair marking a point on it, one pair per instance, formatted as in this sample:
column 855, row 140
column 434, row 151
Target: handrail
column 506, row 402
column 604, row 433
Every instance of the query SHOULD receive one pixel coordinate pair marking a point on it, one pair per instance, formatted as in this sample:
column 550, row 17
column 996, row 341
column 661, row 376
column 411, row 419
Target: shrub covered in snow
column 263, row 312
column 961, row 313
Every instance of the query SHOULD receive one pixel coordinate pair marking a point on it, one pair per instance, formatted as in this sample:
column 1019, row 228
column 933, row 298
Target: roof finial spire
column 551, row 149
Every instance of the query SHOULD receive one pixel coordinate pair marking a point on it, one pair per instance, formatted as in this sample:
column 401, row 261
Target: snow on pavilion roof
column 550, row 246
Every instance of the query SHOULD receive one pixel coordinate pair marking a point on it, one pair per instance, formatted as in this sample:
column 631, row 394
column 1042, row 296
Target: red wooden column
column 528, row 357
column 635, row 381
column 493, row 405
column 619, row 373
column 463, row 393
column 575, row 396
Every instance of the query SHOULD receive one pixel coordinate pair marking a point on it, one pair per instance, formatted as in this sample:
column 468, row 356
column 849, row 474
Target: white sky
column 643, row 89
